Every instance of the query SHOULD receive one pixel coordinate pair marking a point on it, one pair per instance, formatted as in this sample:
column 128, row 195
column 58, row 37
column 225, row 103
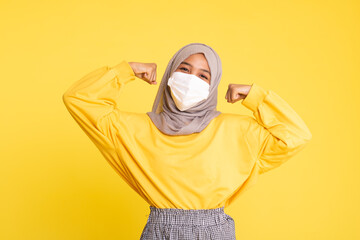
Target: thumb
column 235, row 96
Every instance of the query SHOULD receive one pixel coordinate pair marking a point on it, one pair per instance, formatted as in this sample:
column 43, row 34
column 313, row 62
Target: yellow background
column 56, row 185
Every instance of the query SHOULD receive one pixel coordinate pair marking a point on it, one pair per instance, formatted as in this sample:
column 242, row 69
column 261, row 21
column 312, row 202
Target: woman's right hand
column 145, row 71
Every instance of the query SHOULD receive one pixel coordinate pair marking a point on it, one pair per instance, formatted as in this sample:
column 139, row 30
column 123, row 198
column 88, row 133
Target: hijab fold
column 166, row 116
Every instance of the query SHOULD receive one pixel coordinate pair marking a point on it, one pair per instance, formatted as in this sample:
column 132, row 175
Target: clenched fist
column 237, row 92
column 145, row 71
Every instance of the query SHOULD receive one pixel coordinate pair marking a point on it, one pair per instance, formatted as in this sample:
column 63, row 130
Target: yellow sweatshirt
column 202, row 170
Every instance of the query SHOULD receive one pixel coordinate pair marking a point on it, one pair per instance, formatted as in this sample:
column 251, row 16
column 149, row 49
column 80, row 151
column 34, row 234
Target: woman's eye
column 185, row 69
column 204, row 76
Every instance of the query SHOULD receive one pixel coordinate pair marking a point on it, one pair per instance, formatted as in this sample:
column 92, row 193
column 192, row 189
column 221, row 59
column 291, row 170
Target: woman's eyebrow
column 186, row 63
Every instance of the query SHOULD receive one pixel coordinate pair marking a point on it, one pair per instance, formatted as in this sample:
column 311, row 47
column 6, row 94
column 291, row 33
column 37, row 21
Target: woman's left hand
column 237, row 92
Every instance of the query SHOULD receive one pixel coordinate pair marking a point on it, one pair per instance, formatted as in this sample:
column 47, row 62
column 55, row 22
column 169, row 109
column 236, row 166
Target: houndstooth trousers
column 188, row 224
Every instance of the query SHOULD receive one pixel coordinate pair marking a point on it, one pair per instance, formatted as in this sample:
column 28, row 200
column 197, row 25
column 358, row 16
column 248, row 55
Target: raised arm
column 93, row 101
column 277, row 129
column 94, row 96
column 277, row 133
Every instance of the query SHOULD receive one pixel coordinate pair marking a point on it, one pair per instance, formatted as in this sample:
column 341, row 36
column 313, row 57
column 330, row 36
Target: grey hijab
column 166, row 116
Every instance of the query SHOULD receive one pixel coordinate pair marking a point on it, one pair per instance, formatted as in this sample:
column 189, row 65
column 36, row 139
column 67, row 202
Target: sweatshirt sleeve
column 93, row 102
column 277, row 133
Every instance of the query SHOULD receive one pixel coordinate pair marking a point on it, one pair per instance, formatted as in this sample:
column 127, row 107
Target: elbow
column 300, row 139
column 65, row 98
column 307, row 136
column 301, row 142
column 295, row 143
column 69, row 94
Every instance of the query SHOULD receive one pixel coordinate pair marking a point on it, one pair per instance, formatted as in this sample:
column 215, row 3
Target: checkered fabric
column 184, row 224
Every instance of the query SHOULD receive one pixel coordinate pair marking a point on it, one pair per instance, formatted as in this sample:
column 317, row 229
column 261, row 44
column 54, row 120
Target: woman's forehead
column 197, row 60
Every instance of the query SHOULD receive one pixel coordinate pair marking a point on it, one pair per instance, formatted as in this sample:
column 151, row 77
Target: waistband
column 187, row 216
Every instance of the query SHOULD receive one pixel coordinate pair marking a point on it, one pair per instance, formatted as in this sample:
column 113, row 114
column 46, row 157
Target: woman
column 185, row 158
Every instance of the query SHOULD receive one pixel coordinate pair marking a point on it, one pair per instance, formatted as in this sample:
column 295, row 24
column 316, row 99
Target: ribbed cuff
column 255, row 96
column 124, row 71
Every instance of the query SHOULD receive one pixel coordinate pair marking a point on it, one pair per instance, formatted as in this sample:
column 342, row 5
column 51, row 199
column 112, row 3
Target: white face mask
column 187, row 90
